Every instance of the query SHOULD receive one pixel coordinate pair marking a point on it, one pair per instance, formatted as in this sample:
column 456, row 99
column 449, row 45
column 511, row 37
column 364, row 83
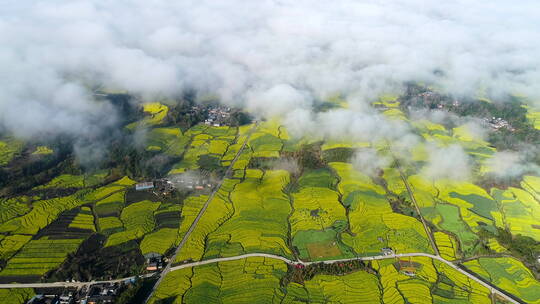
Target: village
column 99, row 293
column 195, row 180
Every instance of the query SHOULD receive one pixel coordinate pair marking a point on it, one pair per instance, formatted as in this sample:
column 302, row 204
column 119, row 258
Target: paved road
column 69, row 284
column 201, row 212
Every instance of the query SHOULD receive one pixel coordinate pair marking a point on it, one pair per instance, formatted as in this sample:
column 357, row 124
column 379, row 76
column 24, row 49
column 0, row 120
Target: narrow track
column 411, row 195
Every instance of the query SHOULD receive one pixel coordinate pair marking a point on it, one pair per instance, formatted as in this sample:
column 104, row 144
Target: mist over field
column 275, row 58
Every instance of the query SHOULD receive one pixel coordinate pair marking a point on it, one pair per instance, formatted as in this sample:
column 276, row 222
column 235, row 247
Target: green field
column 257, row 280
column 373, row 224
column 205, row 143
column 253, row 280
column 10, row 244
column 519, row 211
column 16, row 295
column 159, row 241
column 9, row 148
column 258, row 221
column 508, row 274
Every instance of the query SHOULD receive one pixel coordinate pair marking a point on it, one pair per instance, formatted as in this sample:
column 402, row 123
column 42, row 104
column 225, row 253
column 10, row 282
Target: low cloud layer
column 272, row 56
column 510, row 164
column 447, row 163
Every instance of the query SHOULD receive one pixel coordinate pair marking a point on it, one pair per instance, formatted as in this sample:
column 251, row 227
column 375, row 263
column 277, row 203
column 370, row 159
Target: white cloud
column 273, row 55
column 447, row 163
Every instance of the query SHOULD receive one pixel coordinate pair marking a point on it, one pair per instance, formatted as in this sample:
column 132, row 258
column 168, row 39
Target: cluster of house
column 496, row 123
column 430, row 97
column 159, row 186
column 218, row 116
column 154, row 261
column 99, row 293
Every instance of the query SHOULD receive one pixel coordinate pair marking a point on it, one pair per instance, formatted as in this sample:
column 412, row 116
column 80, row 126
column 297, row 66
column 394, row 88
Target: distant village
column 217, row 115
column 96, row 293
column 497, row 123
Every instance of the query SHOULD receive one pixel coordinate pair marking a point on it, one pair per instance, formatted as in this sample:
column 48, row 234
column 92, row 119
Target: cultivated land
column 287, row 220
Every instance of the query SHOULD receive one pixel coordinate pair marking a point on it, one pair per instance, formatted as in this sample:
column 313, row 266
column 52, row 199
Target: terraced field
column 452, row 209
column 83, row 220
column 447, row 245
column 39, row 256
column 267, row 141
column 253, row 280
column 159, row 241
column 13, row 207
column 10, row 244
column 170, row 141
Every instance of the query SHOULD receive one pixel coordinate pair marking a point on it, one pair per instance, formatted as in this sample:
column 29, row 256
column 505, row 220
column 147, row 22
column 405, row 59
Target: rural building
column 218, row 116
column 163, row 186
column 407, row 267
column 387, row 251
column 154, row 261
column 144, row 186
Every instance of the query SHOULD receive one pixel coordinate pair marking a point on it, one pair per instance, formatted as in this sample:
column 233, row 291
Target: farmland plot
column 373, row 224
column 16, row 295
column 251, row 280
column 520, row 211
column 258, row 221
column 357, row 287
column 508, row 274
column 137, row 219
column 219, row 210
column 318, row 217
column 205, row 142
column 39, row 256
column 43, row 213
